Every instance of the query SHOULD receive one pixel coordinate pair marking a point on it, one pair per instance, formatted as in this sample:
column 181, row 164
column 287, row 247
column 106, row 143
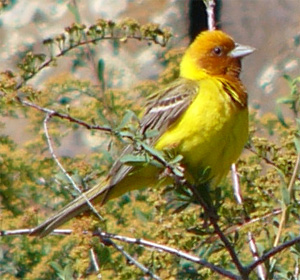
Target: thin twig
column 252, row 221
column 273, row 252
column 210, row 10
column 268, row 161
column 296, row 273
column 95, row 263
column 48, row 138
column 284, row 211
column 81, row 43
column 261, row 272
column 135, row 262
column 92, row 62
column 238, row 195
column 214, row 221
column 54, row 113
column 236, row 185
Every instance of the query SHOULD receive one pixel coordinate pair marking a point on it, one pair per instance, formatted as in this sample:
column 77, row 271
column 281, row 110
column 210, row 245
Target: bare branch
column 107, row 236
column 284, row 211
column 238, row 196
column 54, row 113
column 135, row 262
column 213, row 218
column 47, row 118
column 236, row 184
column 95, row 262
column 261, row 272
column 268, row 161
column 82, row 43
column 170, row 250
column 210, row 10
column 273, row 252
column 236, row 227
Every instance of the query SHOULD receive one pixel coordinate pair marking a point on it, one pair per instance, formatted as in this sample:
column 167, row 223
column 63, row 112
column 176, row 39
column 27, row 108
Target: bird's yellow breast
column 211, row 133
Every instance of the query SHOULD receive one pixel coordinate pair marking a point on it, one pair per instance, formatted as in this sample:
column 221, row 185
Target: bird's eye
column 217, row 51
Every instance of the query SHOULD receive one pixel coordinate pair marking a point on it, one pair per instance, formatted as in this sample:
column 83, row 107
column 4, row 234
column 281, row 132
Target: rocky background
column 271, row 26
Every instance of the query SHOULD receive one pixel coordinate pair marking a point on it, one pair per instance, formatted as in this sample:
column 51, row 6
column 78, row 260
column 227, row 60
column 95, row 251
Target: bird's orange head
column 213, row 53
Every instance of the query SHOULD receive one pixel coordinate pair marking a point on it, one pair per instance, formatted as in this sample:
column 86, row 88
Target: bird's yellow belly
column 210, row 134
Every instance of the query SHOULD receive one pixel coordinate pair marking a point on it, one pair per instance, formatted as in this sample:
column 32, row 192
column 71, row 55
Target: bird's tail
column 103, row 192
column 73, row 209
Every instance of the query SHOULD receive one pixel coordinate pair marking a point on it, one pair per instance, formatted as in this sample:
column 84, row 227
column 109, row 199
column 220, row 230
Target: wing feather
column 164, row 108
column 166, row 105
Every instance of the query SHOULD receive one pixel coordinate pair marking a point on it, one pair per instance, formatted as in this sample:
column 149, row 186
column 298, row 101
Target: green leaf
column 288, row 78
column 65, row 100
column 286, row 198
column 132, row 159
column 178, row 172
column 152, row 151
column 126, row 134
column 103, row 254
column 127, row 117
column 56, row 266
column 297, row 142
column 297, row 40
column 116, row 47
column 176, row 159
column 74, row 10
column 144, row 217
column 60, row 176
column 101, row 67
column 181, row 207
column 112, row 101
column 286, row 100
column 68, row 272
column 280, row 117
column 296, row 249
column 156, row 163
column 58, row 269
column 102, row 117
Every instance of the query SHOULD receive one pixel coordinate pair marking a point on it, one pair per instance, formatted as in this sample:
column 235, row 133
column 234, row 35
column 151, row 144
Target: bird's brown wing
column 163, row 108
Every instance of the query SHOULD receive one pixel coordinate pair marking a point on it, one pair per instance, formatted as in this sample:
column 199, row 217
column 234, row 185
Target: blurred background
column 271, row 26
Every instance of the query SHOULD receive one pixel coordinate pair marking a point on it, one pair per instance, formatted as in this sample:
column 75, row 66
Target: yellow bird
column 203, row 116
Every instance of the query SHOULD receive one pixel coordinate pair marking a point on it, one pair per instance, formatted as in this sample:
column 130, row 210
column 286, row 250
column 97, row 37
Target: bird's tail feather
column 74, row 208
column 101, row 193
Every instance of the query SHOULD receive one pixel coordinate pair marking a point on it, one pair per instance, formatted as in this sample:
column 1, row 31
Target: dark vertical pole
column 198, row 17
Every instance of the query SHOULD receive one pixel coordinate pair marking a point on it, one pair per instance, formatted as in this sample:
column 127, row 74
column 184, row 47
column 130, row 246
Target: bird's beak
column 240, row 51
